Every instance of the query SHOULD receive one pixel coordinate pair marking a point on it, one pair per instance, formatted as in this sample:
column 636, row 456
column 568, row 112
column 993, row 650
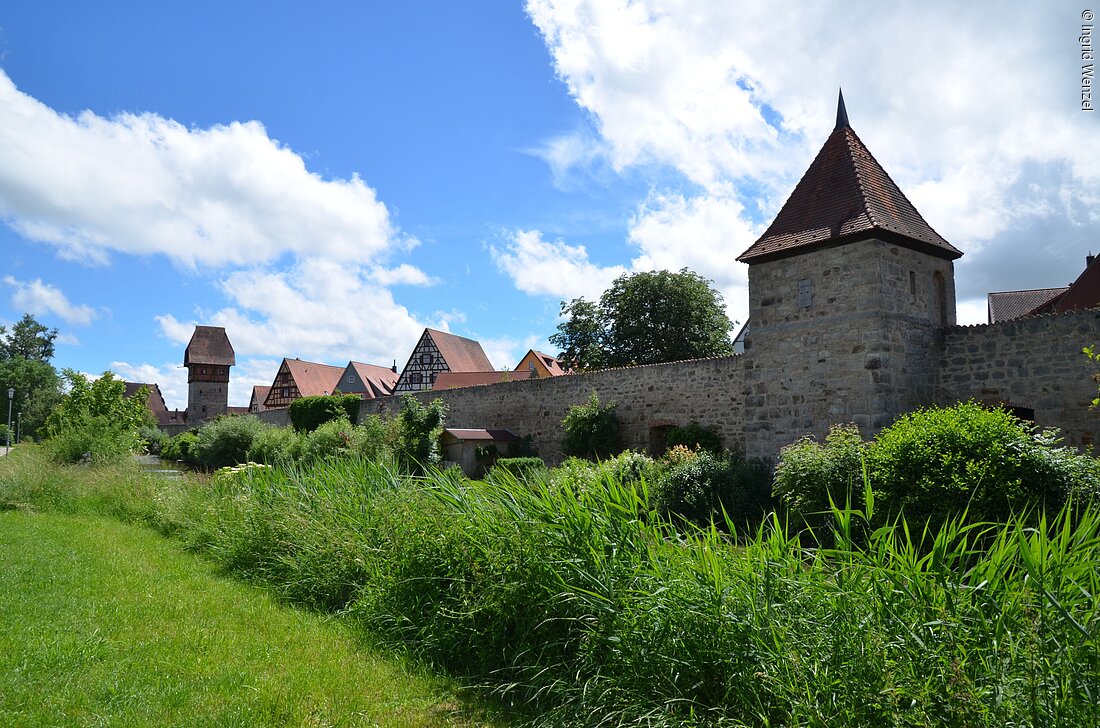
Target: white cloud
column 505, row 352
column 403, row 274
column 41, row 298
column 552, row 268
column 170, row 378
column 319, row 310
column 143, row 184
column 986, row 138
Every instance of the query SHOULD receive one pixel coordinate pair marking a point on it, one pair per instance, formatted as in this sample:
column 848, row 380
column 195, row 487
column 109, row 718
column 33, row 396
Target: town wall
column 1034, row 364
column 649, row 399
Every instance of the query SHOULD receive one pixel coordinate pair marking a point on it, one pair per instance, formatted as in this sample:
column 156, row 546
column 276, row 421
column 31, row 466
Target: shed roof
column 494, row 435
column 209, row 345
column 845, row 196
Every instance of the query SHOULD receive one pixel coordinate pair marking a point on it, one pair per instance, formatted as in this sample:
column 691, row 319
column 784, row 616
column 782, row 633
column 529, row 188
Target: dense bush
column 709, row 487
column 519, row 467
column 95, row 421
column 934, row 463
column 309, row 413
column 591, row 430
column 180, row 448
column 695, row 437
column 275, row 445
column 153, row 439
column 810, row 473
column 420, row 427
column 226, row 440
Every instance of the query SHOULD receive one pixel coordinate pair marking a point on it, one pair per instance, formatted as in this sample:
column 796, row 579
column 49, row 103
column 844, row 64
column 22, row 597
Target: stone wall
column 843, row 334
column 1034, row 363
column 648, row 397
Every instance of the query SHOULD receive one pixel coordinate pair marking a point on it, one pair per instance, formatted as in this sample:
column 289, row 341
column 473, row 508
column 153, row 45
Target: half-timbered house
column 367, row 380
column 437, row 352
column 297, row 378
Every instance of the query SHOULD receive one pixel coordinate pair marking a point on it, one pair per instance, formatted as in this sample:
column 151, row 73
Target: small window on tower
column 912, row 283
column 805, row 293
column 202, row 371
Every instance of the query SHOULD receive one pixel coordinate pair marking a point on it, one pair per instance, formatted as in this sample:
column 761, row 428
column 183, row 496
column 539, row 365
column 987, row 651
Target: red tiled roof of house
column 1082, row 293
column 259, row 394
column 379, row 381
column 460, row 353
column 552, row 363
column 313, row 379
column 1008, row 305
column 209, row 345
column 453, row 380
column 236, row 410
column 845, row 196
column 155, row 401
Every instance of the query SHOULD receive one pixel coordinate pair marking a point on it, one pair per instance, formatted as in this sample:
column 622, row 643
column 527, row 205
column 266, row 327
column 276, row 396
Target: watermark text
column 1088, row 60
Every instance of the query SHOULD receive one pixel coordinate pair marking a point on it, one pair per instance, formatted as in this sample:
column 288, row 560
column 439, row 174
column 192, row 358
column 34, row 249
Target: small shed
column 476, row 450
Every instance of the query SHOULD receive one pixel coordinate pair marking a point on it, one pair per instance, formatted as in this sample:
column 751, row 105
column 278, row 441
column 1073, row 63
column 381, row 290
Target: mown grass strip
column 109, row 624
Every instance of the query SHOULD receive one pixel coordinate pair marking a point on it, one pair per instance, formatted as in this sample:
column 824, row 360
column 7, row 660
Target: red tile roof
column 552, row 363
column 313, row 379
column 259, row 394
column 379, row 381
column 453, row 380
column 1082, row 293
column 845, row 196
column 460, row 353
column 1008, row 305
column 155, row 401
column 209, row 345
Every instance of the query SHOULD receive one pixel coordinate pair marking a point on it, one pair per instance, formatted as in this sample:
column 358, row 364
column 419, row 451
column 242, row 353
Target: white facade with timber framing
column 437, row 352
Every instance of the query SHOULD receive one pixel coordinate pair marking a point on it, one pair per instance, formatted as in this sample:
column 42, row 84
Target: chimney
column 394, row 366
column 1089, row 258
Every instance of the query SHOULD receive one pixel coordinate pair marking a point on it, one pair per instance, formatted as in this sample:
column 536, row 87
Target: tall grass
column 578, row 598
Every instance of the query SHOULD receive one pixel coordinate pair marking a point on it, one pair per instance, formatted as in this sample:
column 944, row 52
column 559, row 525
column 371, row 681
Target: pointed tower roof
column 843, row 197
column 209, row 345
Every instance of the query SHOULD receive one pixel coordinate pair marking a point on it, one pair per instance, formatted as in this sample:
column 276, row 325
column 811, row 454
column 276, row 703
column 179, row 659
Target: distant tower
column 208, row 357
column 850, row 291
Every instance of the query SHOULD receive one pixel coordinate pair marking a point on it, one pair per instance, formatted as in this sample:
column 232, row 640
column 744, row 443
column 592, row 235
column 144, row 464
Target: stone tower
column 207, row 357
column 849, row 293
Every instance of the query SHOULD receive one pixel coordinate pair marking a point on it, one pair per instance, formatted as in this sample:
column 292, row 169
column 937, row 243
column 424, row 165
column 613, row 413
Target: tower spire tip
column 841, row 113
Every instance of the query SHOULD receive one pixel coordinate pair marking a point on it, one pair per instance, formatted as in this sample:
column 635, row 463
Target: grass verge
column 108, row 624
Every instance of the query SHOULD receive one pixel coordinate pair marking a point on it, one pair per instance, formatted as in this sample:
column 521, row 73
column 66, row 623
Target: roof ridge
column 850, row 136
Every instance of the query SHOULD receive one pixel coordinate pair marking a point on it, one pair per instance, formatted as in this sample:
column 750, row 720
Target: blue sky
column 326, row 181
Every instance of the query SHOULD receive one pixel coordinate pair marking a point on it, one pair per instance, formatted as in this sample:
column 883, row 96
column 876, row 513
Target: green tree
column 95, row 420
column 25, row 352
column 28, row 340
column 591, row 430
column 646, row 318
column 580, row 337
column 420, row 427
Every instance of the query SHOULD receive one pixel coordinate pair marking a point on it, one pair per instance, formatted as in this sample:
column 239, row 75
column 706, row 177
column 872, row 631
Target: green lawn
column 104, row 624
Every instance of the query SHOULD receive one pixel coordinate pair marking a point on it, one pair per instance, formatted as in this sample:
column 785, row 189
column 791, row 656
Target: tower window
column 912, row 283
column 805, row 293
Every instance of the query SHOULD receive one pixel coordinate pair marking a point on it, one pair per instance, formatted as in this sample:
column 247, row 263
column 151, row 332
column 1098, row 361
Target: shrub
column 519, row 467
column 700, row 488
column 180, row 448
column 695, row 437
column 420, row 427
column 936, row 462
column 274, row 445
column 226, row 440
column 333, row 438
column 153, row 439
column 309, row 413
column 591, row 430
column 96, row 421
column 809, row 473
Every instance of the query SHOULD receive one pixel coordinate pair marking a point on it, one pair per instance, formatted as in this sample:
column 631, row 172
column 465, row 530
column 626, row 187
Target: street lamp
column 11, row 396
column 18, row 423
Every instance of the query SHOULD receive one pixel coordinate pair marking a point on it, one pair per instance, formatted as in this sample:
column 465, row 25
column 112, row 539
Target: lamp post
column 18, row 424
column 11, row 396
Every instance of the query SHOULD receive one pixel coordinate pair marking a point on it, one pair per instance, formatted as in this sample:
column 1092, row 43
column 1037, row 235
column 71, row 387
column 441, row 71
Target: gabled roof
column 1008, row 305
column 378, row 381
column 552, row 363
column 1082, row 293
column 311, row 378
column 209, row 345
column 843, row 197
column 460, row 353
column 155, row 401
column 453, row 380
column 259, row 394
